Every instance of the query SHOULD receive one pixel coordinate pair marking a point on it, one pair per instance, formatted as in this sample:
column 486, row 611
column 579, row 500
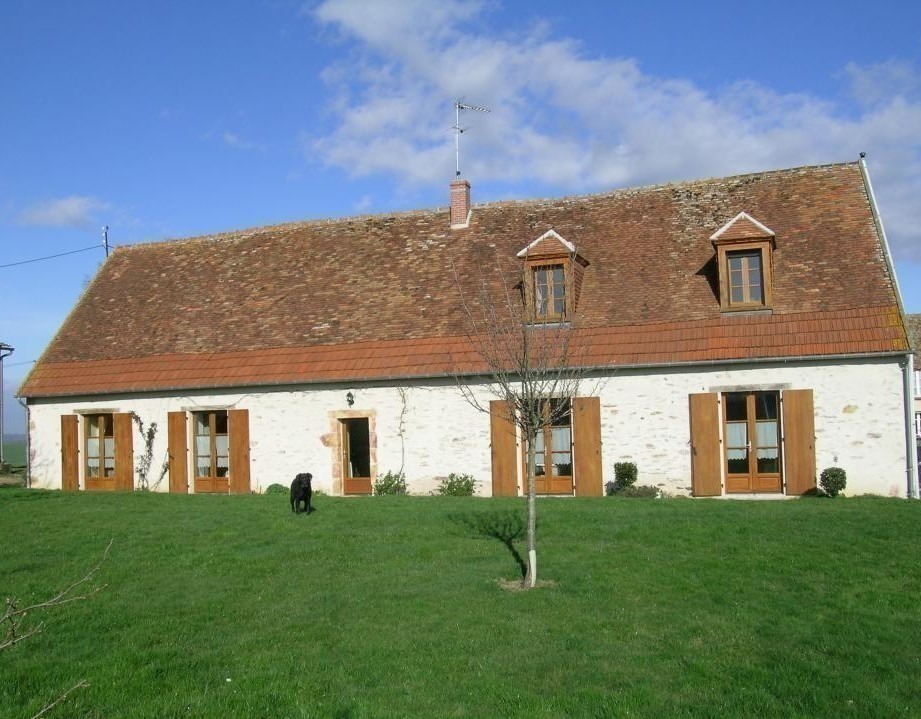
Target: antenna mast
column 105, row 238
column 458, row 106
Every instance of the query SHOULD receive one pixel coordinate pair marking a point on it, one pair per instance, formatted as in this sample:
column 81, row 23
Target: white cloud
column 73, row 211
column 879, row 83
column 584, row 123
column 233, row 140
column 364, row 204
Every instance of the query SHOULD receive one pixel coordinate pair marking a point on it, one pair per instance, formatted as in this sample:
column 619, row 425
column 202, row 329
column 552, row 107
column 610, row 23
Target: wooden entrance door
column 356, row 455
column 752, row 441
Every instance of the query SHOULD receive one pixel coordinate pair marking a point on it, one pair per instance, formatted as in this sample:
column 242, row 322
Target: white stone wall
column 859, row 419
column 429, row 430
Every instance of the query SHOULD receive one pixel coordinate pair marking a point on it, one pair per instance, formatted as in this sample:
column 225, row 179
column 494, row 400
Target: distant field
column 14, row 452
column 223, row 606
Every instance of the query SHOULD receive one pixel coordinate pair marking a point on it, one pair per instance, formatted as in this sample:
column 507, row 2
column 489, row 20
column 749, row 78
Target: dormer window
column 549, row 292
column 553, row 277
column 743, row 252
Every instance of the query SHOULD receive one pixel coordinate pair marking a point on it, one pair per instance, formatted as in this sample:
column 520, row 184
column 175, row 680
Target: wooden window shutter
column 178, row 452
column 238, row 420
column 70, row 453
column 503, row 449
column 798, row 440
column 123, row 427
column 706, row 461
column 586, row 439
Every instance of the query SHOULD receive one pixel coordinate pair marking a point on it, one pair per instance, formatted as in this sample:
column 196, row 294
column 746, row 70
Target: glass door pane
column 737, row 445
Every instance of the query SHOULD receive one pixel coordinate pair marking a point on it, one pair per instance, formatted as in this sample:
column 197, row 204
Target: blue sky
column 170, row 119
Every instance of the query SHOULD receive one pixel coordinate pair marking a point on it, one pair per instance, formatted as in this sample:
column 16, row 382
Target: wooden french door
column 553, row 449
column 99, row 470
column 108, row 452
column 220, row 451
column 356, row 455
column 752, row 442
column 212, row 452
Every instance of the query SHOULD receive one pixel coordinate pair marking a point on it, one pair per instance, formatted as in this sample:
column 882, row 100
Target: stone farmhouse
column 737, row 335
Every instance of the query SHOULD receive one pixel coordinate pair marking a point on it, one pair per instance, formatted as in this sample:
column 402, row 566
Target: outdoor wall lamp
column 349, row 398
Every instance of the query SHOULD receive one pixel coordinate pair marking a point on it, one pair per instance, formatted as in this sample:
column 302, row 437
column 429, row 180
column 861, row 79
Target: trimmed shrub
column 276, row 489
column 833, row 480
column 457, row 485
column 392, row 483
column 625, row 474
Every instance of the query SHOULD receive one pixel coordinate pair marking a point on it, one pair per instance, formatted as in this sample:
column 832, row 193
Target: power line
column 49, row 257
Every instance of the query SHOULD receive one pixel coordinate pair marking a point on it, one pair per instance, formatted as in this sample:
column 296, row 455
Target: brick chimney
column 460, row 204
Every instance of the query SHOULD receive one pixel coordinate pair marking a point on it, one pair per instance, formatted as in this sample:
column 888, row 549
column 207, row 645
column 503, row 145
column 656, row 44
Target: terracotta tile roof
column 375, row 297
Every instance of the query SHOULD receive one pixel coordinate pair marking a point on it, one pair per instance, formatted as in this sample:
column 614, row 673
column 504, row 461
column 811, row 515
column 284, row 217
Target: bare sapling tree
column 18, row 628
column 534, row 366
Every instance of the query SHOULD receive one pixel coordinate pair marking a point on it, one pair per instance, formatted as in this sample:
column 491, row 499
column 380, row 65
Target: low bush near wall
column 646, row 491
column 457, row 485
column 625, row 474
column 276, row 489
column 390, row 483
column 833, row 480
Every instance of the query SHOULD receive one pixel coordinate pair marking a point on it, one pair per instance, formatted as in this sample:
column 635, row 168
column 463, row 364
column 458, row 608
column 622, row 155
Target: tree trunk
column 530, row 580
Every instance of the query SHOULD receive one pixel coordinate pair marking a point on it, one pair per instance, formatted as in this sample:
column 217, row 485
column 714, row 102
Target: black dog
column 301, row 491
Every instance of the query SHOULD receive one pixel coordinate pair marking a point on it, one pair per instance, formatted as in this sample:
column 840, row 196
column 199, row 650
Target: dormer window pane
column 745, row 278
column 549, row 283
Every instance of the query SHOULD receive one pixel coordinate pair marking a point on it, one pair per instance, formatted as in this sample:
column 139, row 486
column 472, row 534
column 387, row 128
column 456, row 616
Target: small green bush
column 624, row 484
column 833, row 480
column 276, row 489
column 390, row 483
column 645, row 491
column 457, row 485
column 625, row 474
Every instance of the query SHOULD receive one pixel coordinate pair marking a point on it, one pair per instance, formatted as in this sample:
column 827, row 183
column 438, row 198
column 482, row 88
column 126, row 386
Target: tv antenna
column 458, row 106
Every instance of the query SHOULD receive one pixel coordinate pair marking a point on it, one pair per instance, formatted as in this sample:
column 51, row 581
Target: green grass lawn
column 390, row 607
column 14, row 452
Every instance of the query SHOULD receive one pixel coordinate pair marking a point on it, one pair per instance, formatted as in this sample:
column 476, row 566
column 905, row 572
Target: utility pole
column 105, row 238
column 5, row 351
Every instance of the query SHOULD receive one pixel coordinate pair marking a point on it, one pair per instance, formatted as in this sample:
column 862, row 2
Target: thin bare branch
column 79, row 685
column 14, row 616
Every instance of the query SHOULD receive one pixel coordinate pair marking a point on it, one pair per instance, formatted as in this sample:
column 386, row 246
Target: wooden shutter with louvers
column 178, row 452
column 706, row 464
column 586, row 450
column 123, row 429
column 238, row 420
column 70, row 453
column 798, row 440
column 503, row 450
